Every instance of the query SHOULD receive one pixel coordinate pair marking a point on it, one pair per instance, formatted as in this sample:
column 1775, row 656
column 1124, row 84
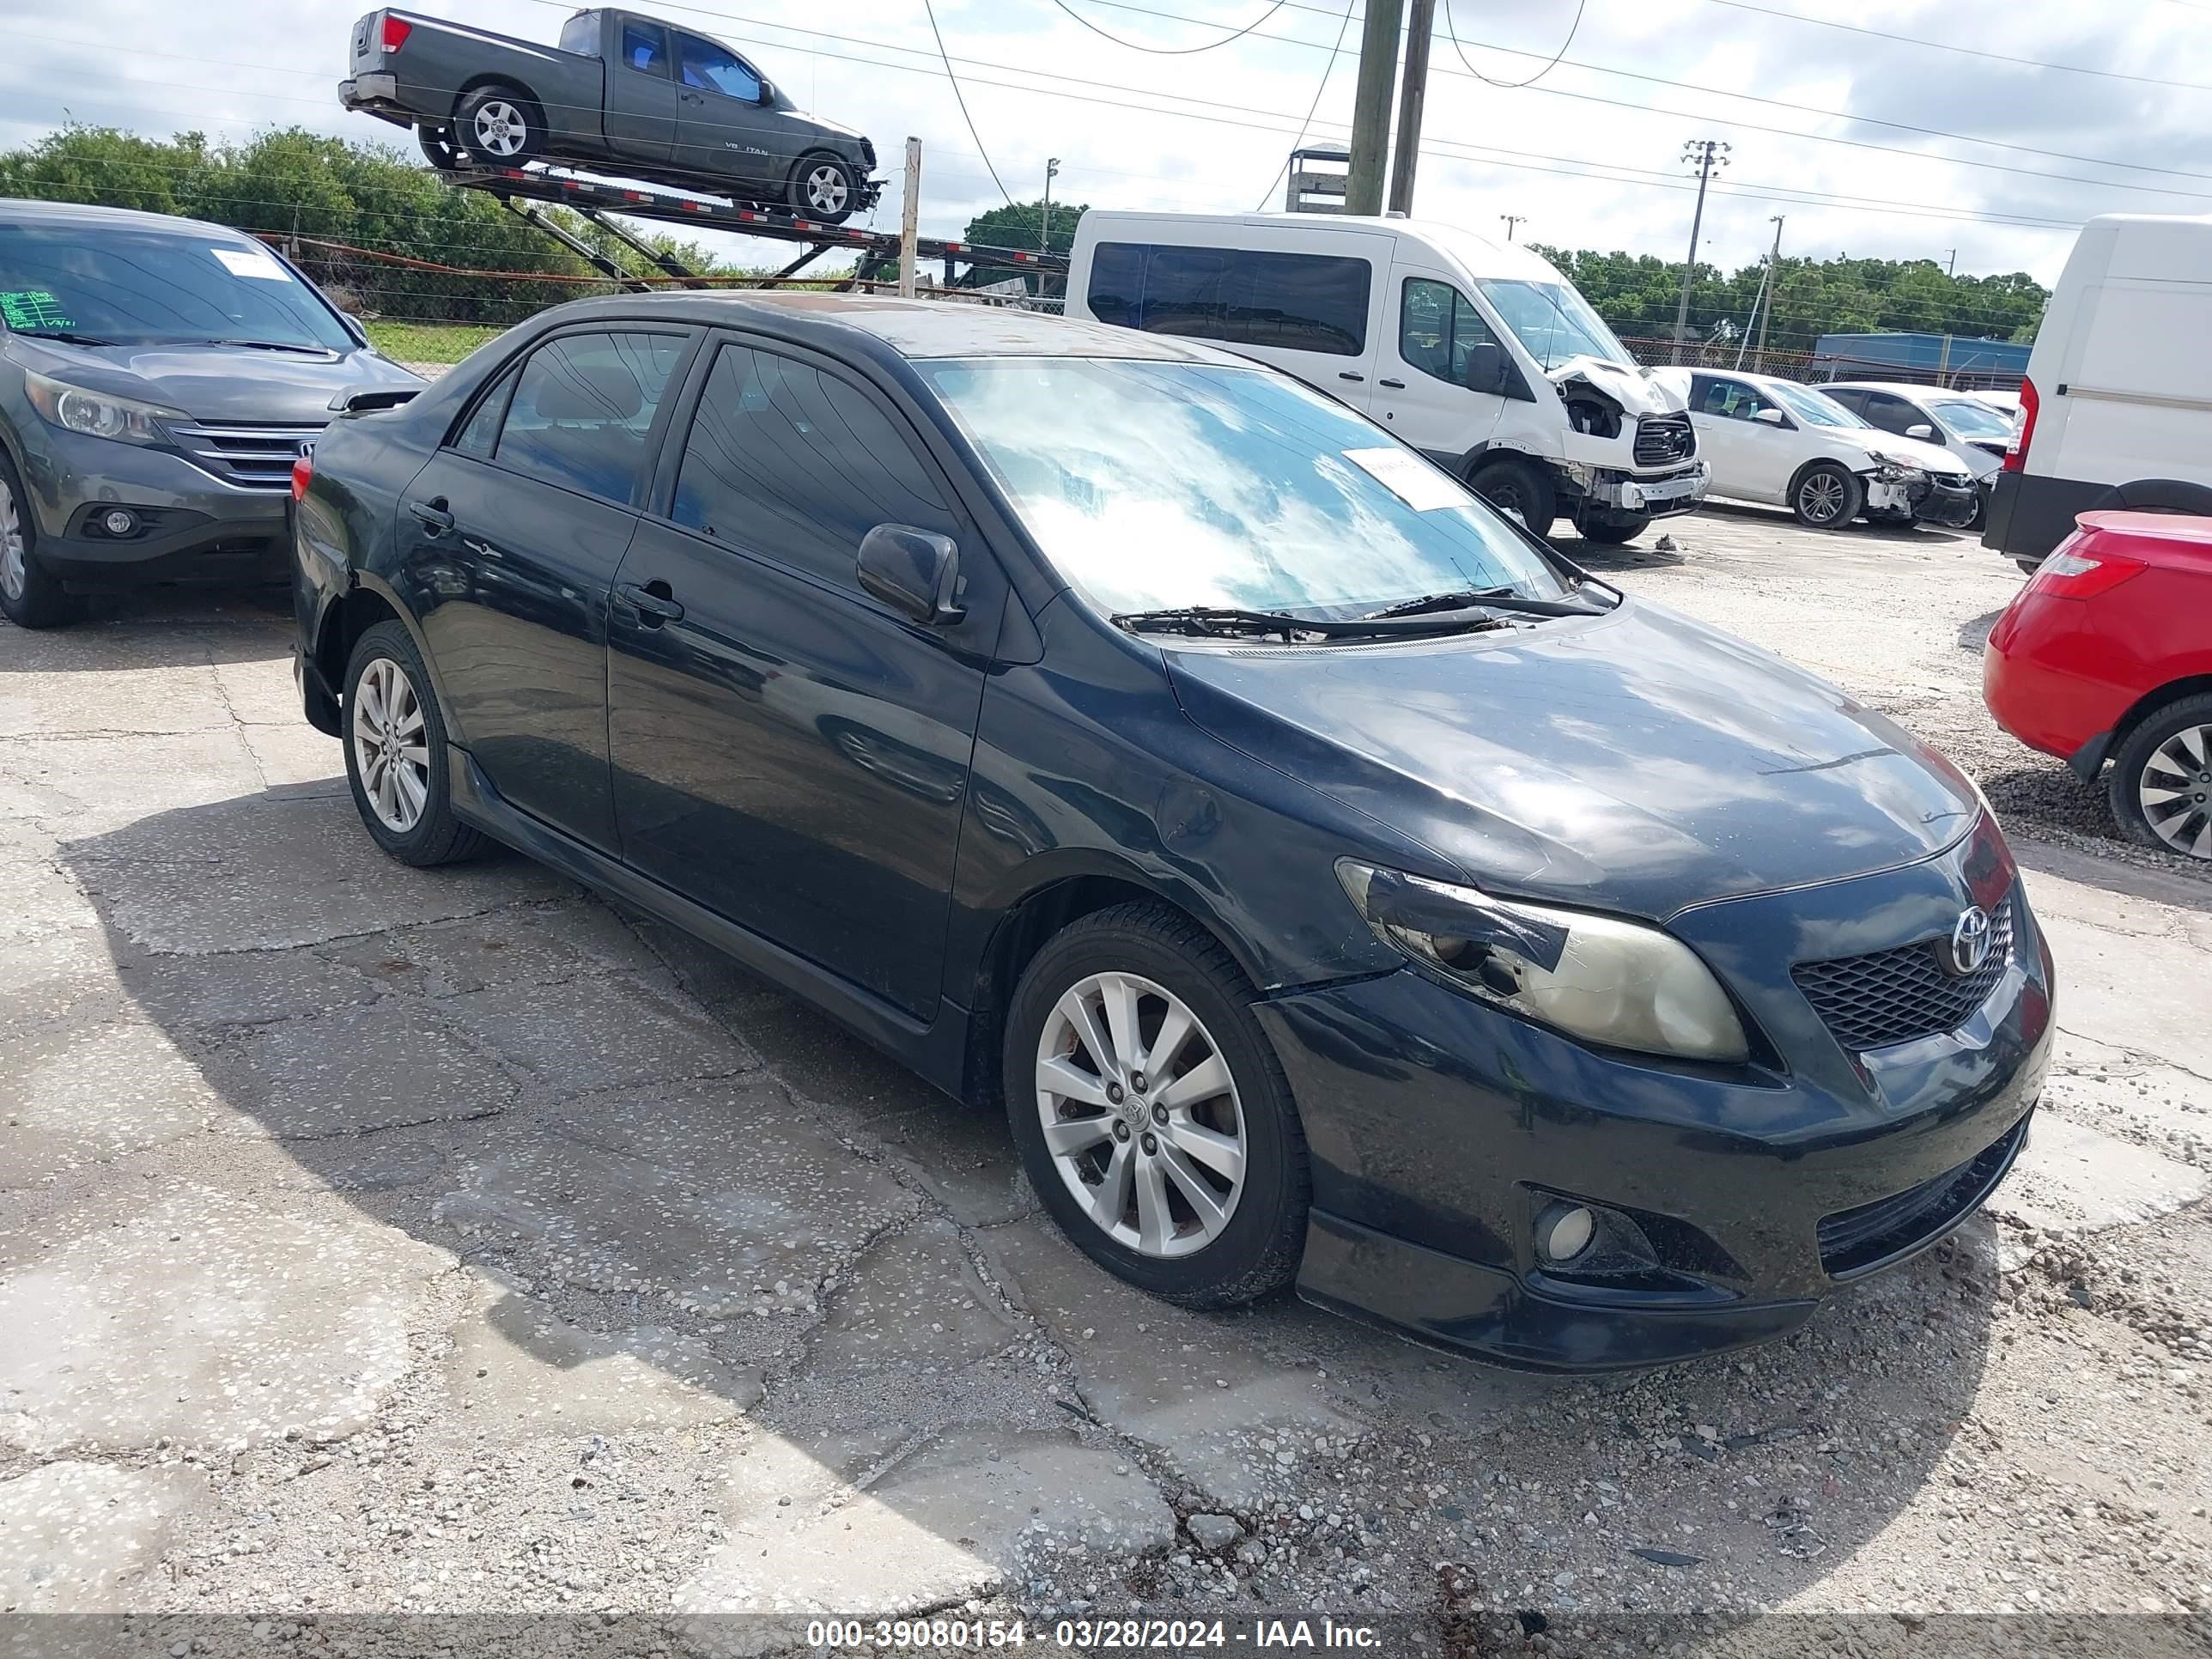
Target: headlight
column 1619, row 983
column 1890, row 470
column 96, row 414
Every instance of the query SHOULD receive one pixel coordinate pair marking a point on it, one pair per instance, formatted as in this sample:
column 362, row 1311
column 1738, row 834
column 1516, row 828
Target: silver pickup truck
column 622, row 93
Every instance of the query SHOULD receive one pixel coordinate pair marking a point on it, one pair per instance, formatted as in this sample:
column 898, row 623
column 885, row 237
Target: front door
column 786, row 751
column 513, row 535
column 721, row 126
column 1422, row 394
column 1751, row 458
column 641, row 94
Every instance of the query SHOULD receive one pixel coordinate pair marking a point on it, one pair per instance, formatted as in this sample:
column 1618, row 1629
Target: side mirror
column 915, row 572
column 1922, row 431
column 1487, row 367
column 767, row 91
column 1771, row 417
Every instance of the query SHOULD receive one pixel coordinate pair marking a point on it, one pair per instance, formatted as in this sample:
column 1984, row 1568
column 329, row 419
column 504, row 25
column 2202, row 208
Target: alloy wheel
column 2175, row 789
column 391, row 749
column 15, row 550
column 825, row 190
column 499, row 129
column 1821, row 497
column 1141, row 1115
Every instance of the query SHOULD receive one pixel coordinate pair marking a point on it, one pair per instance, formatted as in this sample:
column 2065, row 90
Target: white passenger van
column 1477, row 353
column 2116, row 407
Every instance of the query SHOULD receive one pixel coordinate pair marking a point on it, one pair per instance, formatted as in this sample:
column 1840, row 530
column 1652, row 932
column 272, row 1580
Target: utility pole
column 1705, row 154
column 909, row 217
column 1044, row 231
column 1418, row 27
column 1951, row 268
column 1371, row 108
column 1511, row 220
column 1773, row 286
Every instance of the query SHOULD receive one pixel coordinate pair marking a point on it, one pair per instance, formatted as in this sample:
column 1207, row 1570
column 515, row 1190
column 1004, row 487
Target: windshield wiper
column 263, row 345
column 1500, row 599
column 1202, row 620
column 64, row 335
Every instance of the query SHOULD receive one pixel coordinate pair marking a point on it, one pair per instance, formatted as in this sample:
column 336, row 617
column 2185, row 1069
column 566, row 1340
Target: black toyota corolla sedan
column 1335, row 884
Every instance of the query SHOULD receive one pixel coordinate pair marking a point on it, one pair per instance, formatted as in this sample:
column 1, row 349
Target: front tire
column 1613, row 533
column 2161, row 784
column 1513, row 485
column 30, row 596
column 396, row 758
column 499, row 126
column 823, row 188
column 1151, row 1115
column 1827, row 496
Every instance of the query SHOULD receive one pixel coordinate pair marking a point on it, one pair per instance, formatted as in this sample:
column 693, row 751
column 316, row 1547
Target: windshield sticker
column 250, row 262
column 1411, row 479
column 32, row 309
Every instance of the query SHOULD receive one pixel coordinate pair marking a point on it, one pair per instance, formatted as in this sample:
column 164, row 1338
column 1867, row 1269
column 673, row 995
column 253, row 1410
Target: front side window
column 1151, row 485
column 717, row 69
column 1238, row 296
column 581, row 415
column 122, row 285
column 1553, row 322
column 1730, row 400
column 797, row 466
column 645, row 49
column 1437, row 327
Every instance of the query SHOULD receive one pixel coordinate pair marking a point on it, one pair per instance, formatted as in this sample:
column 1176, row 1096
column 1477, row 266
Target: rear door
column 787, row 752
column 720, row 126
column 1421, row 391
column 641, row 92
column 512, row 534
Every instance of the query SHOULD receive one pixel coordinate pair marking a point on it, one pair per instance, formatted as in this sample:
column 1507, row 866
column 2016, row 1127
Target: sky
column 1866, row 145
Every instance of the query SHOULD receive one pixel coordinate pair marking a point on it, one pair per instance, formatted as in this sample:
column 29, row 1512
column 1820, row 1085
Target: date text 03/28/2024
column 1089, row 1635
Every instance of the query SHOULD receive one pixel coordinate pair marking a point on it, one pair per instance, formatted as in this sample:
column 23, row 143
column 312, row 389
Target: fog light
column 118, row 523
column 1564, row 1231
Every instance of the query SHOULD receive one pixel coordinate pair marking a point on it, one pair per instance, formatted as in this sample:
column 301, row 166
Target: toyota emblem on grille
column 1970, row 940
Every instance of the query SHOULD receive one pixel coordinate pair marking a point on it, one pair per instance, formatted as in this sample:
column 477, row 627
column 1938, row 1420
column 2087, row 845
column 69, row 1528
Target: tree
column 1021, row 225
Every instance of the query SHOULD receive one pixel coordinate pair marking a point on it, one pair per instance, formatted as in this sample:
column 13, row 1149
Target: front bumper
column 193, row 526
column 1952, row 505
column 1440, row 1129
column 1657, row 495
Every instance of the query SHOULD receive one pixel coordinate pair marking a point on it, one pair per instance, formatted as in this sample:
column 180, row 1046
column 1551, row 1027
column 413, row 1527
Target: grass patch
column 428, row 343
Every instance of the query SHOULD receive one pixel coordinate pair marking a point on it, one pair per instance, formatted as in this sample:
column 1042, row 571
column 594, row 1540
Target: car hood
column 1932, row 457
column 215, row 383
column 1640, row 762
column 1636, row 391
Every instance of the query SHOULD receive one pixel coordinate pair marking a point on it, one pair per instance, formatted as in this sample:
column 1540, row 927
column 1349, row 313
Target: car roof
column 900, row 327
column 1899, row 388
column 21, row 210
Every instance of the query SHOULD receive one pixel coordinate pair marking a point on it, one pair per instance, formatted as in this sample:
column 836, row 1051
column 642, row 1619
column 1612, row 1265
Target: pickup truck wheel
column 439, row 149
column 500, row 126
column 822, row 187
column 1515, row 486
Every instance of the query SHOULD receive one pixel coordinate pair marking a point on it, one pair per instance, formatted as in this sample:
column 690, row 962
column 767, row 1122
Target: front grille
column 251, row 457
column 1661, row 439
column 1852, row 1241
column 1893, row 996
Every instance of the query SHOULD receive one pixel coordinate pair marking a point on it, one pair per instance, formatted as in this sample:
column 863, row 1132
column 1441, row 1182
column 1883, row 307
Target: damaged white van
column 1478, row 354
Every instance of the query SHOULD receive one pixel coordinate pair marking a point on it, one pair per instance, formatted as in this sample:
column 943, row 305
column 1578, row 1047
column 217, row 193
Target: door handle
column 437, row 521
column 653, row 603
column 691, row 97
column 1346, row 374
column 1395, row 386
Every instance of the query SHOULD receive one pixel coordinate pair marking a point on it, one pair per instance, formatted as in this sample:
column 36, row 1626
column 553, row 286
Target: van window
column 1238, row 296
column 1438, row 326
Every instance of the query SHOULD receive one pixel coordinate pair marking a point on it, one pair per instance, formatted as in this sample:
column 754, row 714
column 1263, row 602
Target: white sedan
column 1768, row 439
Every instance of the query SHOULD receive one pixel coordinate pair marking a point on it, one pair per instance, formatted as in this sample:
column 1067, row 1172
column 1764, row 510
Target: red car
column 2106, row 654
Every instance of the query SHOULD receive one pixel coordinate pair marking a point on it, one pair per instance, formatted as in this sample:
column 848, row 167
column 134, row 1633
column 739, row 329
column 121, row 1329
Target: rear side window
column 645, row 49
column 479, row 434
column 583, row 410
column 796, row 464
column 1239, row 297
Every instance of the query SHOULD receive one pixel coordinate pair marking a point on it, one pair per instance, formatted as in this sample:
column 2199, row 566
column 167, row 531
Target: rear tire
column 30, row 595
column 1192, row 1184
column 2160, row 789
column 439, row 149
column 823, row 188
column 396, row 754
column 499, row 126
column 1827, row 496
column 1513, row 485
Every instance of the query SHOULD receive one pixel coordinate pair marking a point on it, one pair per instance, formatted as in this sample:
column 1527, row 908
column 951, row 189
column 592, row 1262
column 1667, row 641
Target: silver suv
column 158, row 378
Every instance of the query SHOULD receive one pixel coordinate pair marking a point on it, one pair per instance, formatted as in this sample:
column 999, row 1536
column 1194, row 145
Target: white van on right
column 2116, row 407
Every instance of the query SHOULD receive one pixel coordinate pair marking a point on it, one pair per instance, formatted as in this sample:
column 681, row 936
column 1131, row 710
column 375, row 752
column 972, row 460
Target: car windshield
column 1553, row 322
column 1972, row 419
column 1814, row 408
column 134, row 286
column 1151, row 485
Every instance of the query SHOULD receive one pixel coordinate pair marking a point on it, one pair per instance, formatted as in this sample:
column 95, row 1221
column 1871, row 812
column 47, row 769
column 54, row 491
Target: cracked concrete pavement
column 375, row 1240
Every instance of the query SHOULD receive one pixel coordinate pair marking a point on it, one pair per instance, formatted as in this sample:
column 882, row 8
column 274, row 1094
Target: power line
column 1573, row 29
column 1172, row 52
column 1298, row 143
column 961, row 99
